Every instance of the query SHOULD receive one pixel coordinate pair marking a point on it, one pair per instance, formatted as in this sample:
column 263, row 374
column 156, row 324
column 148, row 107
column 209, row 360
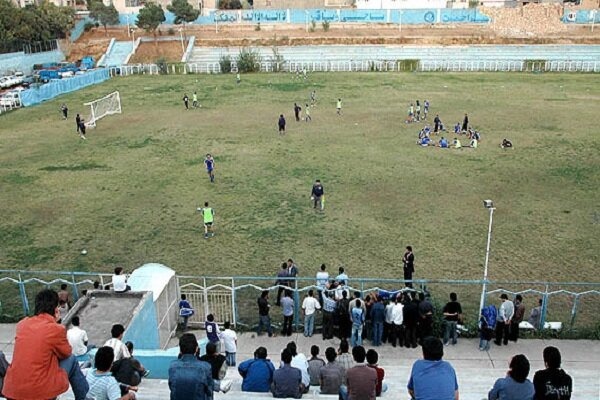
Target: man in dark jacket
column 317, row 195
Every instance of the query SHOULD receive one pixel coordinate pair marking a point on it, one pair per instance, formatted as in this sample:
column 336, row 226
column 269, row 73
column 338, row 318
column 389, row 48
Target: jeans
column 484, row 344
column 76, row 379
column 264, row 320
column 344, row 392
column 377, row 333
column 230, row 359
column 287, row 325
column 356, row 337
column 450, row 331
column 309, row 324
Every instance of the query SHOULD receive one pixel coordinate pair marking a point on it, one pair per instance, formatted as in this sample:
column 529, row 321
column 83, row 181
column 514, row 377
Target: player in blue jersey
column 210, row 167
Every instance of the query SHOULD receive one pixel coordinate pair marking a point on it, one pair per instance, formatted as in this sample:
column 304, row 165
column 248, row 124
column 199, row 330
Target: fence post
column 544, row 308
column 74, row 290
column 296, row 304
column 23, row 294
column 205, row 292
column 233, row 305
column 574, row 310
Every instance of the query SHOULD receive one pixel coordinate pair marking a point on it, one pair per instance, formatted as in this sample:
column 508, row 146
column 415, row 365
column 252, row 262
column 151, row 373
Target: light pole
column 400, row 24
column 181, row 37
column 489, row 204
column 306, row 19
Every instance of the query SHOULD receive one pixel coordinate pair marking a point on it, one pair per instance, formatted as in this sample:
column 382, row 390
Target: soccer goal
column 108, row 105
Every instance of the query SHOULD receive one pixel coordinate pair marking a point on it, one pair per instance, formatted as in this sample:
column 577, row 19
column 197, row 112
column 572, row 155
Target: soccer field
column 128, row 194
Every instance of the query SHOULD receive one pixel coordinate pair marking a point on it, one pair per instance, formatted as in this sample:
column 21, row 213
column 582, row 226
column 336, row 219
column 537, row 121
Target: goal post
column 107, row 105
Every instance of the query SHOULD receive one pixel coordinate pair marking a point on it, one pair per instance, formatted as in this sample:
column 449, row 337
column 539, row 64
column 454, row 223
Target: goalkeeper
column 318, row 195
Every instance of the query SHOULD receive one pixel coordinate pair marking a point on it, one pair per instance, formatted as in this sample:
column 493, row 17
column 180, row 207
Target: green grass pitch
column 129, row 193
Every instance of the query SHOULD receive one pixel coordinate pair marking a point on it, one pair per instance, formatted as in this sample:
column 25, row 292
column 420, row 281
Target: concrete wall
column 143, row 328
column 20, row 61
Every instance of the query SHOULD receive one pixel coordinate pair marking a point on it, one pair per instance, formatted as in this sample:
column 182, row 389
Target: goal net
column 108, row 105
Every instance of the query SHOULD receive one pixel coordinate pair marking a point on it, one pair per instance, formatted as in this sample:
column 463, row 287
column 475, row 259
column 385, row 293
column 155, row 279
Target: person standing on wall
column 409, row 266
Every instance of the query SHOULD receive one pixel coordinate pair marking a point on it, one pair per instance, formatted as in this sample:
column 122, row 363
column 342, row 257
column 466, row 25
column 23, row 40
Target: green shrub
column 88, row 26
column 171, row 31
column 248, row 61
column 257, row 27
column 325, row 26
column 225, row 63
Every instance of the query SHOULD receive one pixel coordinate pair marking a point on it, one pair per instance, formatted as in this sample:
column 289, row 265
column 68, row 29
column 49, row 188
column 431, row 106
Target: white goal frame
column 99, row 110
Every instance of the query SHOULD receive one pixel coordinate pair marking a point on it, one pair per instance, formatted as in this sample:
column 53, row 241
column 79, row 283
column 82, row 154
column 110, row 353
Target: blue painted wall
column 143, row 328
column 11, row 62
column 53, row 89
column 581, row 16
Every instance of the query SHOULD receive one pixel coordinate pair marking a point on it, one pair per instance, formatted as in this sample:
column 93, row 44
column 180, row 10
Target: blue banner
column 581, row 16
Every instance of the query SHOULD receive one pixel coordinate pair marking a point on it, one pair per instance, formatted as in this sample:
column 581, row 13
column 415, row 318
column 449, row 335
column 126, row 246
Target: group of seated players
column 473, row 136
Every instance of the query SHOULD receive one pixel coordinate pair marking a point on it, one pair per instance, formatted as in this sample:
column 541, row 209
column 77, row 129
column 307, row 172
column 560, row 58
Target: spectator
column 410, row 318
column 552, row 383
column 42, row 364
column 63, row 310
column 487, row 323
column 287, row 308
column 535, row 316
column 367, row 332
column 97, row 285
column 342, row 277
column 506, row 144
column 310, row 305
column 119, row 281
column 331, row 375
column 129, row 370
column 517, row 318
column 328, row 315
column 299, row 361
column 63, row 295
column 218, row 368
column 229, row 338
column 212, row 331
column 432, row 378
column 101, row 382
column 425, row 316
column 361, row 380
column 263, row 314
column 452, row 311
column 343, row 316
column 287, row 380
column 292, row 269
column 344, row 358
column 358, row 319
column 352, row 303
column 397, row 320
column 322, row 281
column 372, row 360
column 388, row 325
column 120, row 350
column 377, row 319
column 257, row 373
column 185, row 310
column 281, row 281
column 505, row 315
column 408, row 260
column 314, row 365
column 190, row 378
column 515, row 386
column 78, row 340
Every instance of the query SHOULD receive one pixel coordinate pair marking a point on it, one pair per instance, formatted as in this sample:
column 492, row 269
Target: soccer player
column 297, row 110
column 238, row 78
column 195, row 100
column 186, row 101
column 77, row 121
column 313, row 97
column 208, row 215
column 210, row 167
column 281, row 124
column 65, row 111
column 418, row 110
column 307, row 112
column 425, row 109
column 339, row 107
column 82, row 129
column 317, row 195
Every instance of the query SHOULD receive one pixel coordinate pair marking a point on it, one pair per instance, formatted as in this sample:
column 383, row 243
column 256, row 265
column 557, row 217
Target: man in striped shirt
column 103, row 386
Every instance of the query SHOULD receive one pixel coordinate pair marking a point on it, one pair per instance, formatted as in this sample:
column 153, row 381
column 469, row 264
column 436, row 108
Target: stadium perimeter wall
column 15, row 62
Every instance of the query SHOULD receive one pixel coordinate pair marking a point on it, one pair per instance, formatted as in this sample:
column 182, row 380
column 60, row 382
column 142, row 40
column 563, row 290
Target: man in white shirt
column 300, row 361
column 118, row 346
column 310, row 305
column 342, row 277
column 397, row 320
column 505, row 315
column 229, row 338
column 78, row 338
column 119, row 281
column 388, row 326
column 322, row 282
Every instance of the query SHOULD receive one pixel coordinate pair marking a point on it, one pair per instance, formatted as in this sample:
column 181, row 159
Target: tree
column 150, row 17
column 184, row 12
column 105, row 15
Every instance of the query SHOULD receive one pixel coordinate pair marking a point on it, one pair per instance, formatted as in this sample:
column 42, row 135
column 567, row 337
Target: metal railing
column 369, row 66
column 234, row 299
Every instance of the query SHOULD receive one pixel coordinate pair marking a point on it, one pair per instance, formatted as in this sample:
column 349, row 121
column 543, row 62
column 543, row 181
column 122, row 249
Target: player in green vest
column 208, row 216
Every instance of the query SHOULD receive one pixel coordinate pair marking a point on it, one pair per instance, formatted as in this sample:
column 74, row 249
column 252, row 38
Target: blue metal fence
column 574, row 304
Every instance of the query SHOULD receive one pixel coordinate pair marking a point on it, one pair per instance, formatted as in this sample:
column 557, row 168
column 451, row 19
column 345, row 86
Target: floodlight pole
column 485, row 266
column 400, row 24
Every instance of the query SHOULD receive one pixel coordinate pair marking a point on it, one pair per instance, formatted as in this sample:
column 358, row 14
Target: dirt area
column 150, row 52
column 532, row 20
column 94, row 47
